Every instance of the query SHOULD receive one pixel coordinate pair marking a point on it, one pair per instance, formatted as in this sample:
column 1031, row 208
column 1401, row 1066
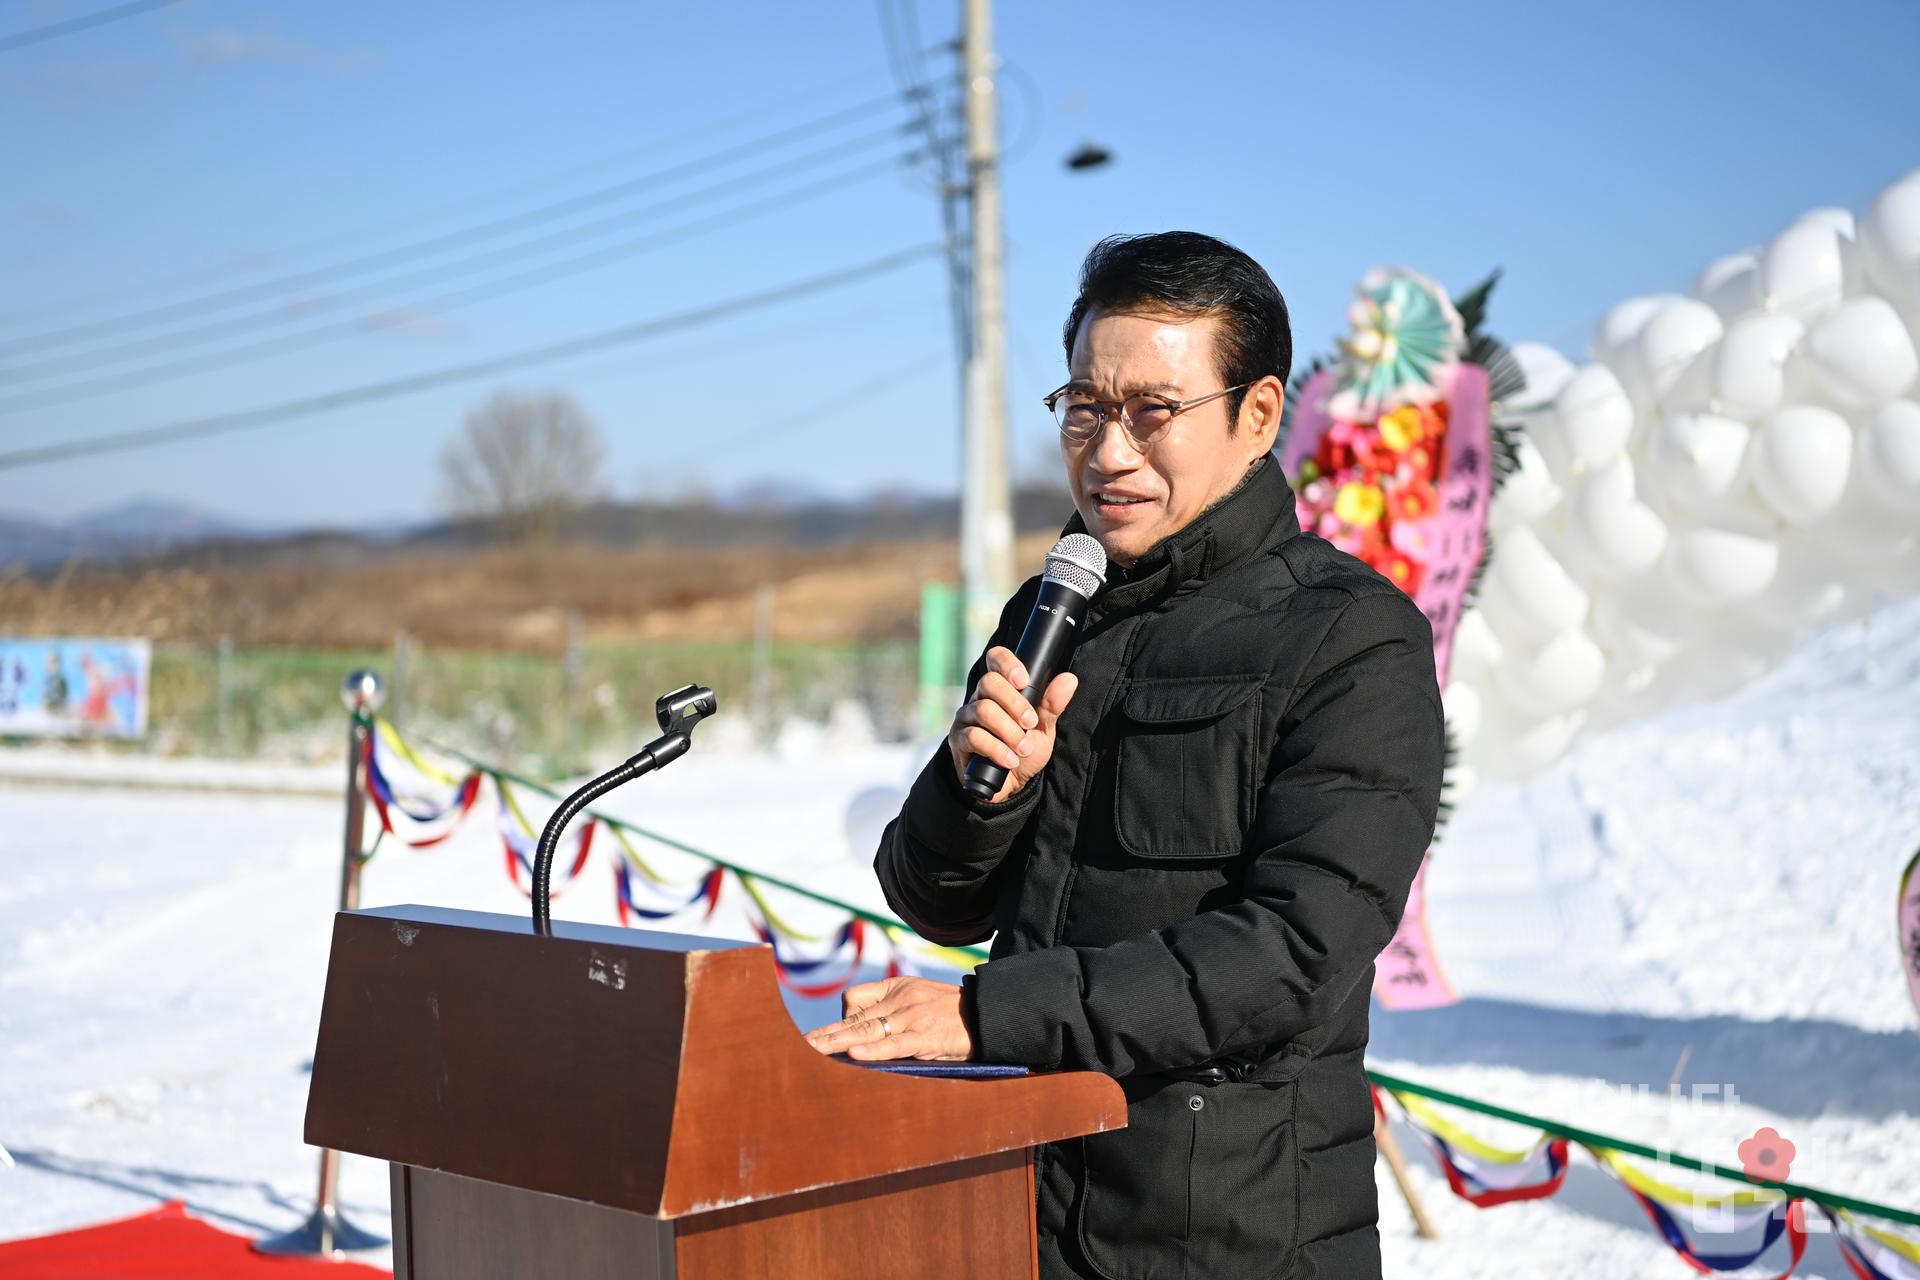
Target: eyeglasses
column 1144, row 418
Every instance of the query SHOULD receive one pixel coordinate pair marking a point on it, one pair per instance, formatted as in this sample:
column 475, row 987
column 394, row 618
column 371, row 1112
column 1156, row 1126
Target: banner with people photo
column 73, row 687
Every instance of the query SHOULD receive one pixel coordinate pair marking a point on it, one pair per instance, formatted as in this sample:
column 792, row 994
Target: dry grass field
column 501, row 599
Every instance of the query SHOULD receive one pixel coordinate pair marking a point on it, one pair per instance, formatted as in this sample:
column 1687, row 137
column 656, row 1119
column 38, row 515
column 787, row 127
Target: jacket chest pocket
column 1186, row 764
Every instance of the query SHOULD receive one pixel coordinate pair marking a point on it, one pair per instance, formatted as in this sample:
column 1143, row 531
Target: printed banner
column 73, row 687
column 1910, row 927
column 1408, row 974
column 1409, row 493
column 1456, row 534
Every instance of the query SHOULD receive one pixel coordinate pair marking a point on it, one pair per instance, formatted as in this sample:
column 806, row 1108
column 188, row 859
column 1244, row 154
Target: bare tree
column 523, row 459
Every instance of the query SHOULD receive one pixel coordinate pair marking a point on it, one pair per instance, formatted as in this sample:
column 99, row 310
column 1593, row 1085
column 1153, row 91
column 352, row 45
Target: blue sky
column 1592, row 151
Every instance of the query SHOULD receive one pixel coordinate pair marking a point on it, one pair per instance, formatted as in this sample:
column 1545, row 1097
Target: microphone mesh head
column 1078, row 561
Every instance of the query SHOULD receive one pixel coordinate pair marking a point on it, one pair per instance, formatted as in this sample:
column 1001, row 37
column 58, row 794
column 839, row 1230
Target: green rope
column 1590, row 1138
column 885, row 922
column 1381, row 1078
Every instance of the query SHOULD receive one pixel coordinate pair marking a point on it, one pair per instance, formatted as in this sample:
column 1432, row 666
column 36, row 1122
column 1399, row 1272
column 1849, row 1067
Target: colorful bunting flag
column 1874, row 1253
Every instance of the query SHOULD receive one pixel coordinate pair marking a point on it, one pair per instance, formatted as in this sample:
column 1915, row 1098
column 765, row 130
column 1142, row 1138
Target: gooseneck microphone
column 678, row 712
column 1075, row 570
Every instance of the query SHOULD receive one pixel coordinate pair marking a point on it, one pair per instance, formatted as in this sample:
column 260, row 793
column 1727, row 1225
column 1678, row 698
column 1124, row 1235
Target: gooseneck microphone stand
column 678, row 712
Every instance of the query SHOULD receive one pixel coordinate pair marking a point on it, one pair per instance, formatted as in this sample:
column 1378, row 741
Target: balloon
column 1805, row 587
column 1512, row 746
column 1558, row 676
column 1898, row 574
column 1595, row 415
column 1475, row 647
column 1672, row 345
column 868, row 814
column 1643, row 625
column 1727, row 654
column 1615, row 533
column 1699, row 459
column 1800, row 461
column 1750, row 365
column 1890, row 241
column 1616, row 342
column 1730, row 557
column 1547, row 371
column 1528, row 493
column 1831, row 217
column 1862, row 355
column 1862, row 532
column 1730, row 285
column 1889, row 445
column 1803, row 272
column 1528, row 594
column 1461, row 702
column 1621, row 326
column 1626, row 697
column 1459, row 782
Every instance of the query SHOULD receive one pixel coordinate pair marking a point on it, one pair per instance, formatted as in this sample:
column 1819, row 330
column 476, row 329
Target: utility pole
column 986, row 493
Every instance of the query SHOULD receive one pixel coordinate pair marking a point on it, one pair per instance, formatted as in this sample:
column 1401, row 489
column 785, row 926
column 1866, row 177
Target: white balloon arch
column 1734, row 467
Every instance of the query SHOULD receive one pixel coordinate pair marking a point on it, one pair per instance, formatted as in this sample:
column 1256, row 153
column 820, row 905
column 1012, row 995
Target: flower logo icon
column 1766, row 1155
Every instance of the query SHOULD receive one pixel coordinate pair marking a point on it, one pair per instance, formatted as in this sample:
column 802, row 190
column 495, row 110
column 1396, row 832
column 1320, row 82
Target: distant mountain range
column 152, row 529
column 144, row 526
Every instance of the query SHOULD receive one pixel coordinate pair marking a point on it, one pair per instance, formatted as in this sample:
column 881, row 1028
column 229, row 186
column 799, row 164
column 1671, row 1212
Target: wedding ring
column 886, row 1026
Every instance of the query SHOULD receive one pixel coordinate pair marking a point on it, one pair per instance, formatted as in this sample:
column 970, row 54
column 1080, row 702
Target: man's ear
column 1260, row 412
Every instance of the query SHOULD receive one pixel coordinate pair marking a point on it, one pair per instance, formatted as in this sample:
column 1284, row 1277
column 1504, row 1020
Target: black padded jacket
column 1191, row 895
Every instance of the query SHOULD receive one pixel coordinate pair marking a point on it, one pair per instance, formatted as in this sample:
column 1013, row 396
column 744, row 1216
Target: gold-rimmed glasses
column 1144, row 418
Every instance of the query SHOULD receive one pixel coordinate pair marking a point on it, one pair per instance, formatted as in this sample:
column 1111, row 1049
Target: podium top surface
column 607, row 934
column 653, row 1072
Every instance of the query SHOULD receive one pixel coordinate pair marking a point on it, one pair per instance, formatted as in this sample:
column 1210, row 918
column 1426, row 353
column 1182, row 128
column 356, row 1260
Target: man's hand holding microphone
column 916, row 1017
column 1000, row 740
column 1002, row 726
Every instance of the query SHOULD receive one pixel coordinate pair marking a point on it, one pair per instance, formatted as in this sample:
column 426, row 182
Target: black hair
column 1191, row 274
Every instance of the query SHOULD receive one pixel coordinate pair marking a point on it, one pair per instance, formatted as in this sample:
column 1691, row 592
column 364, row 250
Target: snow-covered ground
column 1707, row 895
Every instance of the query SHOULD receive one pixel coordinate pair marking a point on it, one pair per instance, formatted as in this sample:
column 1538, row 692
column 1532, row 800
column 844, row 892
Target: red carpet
column 164, row 1244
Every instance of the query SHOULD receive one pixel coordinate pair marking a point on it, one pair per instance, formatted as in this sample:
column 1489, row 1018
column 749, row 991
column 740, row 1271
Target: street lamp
column 1089, row 155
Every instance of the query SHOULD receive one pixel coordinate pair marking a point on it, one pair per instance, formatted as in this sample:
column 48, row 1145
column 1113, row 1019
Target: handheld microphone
column 1075, row 570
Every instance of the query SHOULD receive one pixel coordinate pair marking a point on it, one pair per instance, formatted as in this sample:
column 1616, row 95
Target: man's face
column 1132, row 498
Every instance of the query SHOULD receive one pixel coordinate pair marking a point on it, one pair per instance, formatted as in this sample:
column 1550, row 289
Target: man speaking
column 1209, row 825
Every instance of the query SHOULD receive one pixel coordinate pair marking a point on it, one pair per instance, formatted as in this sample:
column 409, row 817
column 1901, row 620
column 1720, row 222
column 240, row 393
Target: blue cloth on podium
column 952, row 1070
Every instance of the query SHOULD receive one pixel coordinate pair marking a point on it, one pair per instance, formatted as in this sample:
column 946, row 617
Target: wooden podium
column 609, row 1102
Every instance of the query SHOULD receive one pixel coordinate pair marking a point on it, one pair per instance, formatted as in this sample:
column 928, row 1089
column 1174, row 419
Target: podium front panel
column 973, row 1218
column 446, row 1227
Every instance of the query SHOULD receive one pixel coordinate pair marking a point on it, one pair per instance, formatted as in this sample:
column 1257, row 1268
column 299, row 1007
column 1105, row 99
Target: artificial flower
column 1403, row 428
column 1414, row 538
column 1413, row 499
column 1359, row 503
column 1400, row 570
column 1406, row 337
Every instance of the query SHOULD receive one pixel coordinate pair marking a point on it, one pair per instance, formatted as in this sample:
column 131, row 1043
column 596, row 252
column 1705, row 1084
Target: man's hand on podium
column 899, row 1018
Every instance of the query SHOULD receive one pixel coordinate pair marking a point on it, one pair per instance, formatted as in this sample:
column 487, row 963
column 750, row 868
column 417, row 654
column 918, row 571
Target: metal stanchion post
column 327, row 1232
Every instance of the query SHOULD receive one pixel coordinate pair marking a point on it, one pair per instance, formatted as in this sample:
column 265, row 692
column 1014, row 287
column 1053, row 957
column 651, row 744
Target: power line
column 86, row 21
column 943, row 151
column 484, row 230
column 279, row 313
column 811, row 96
column 538, row 275
column 249, row 419
column 812, row 415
